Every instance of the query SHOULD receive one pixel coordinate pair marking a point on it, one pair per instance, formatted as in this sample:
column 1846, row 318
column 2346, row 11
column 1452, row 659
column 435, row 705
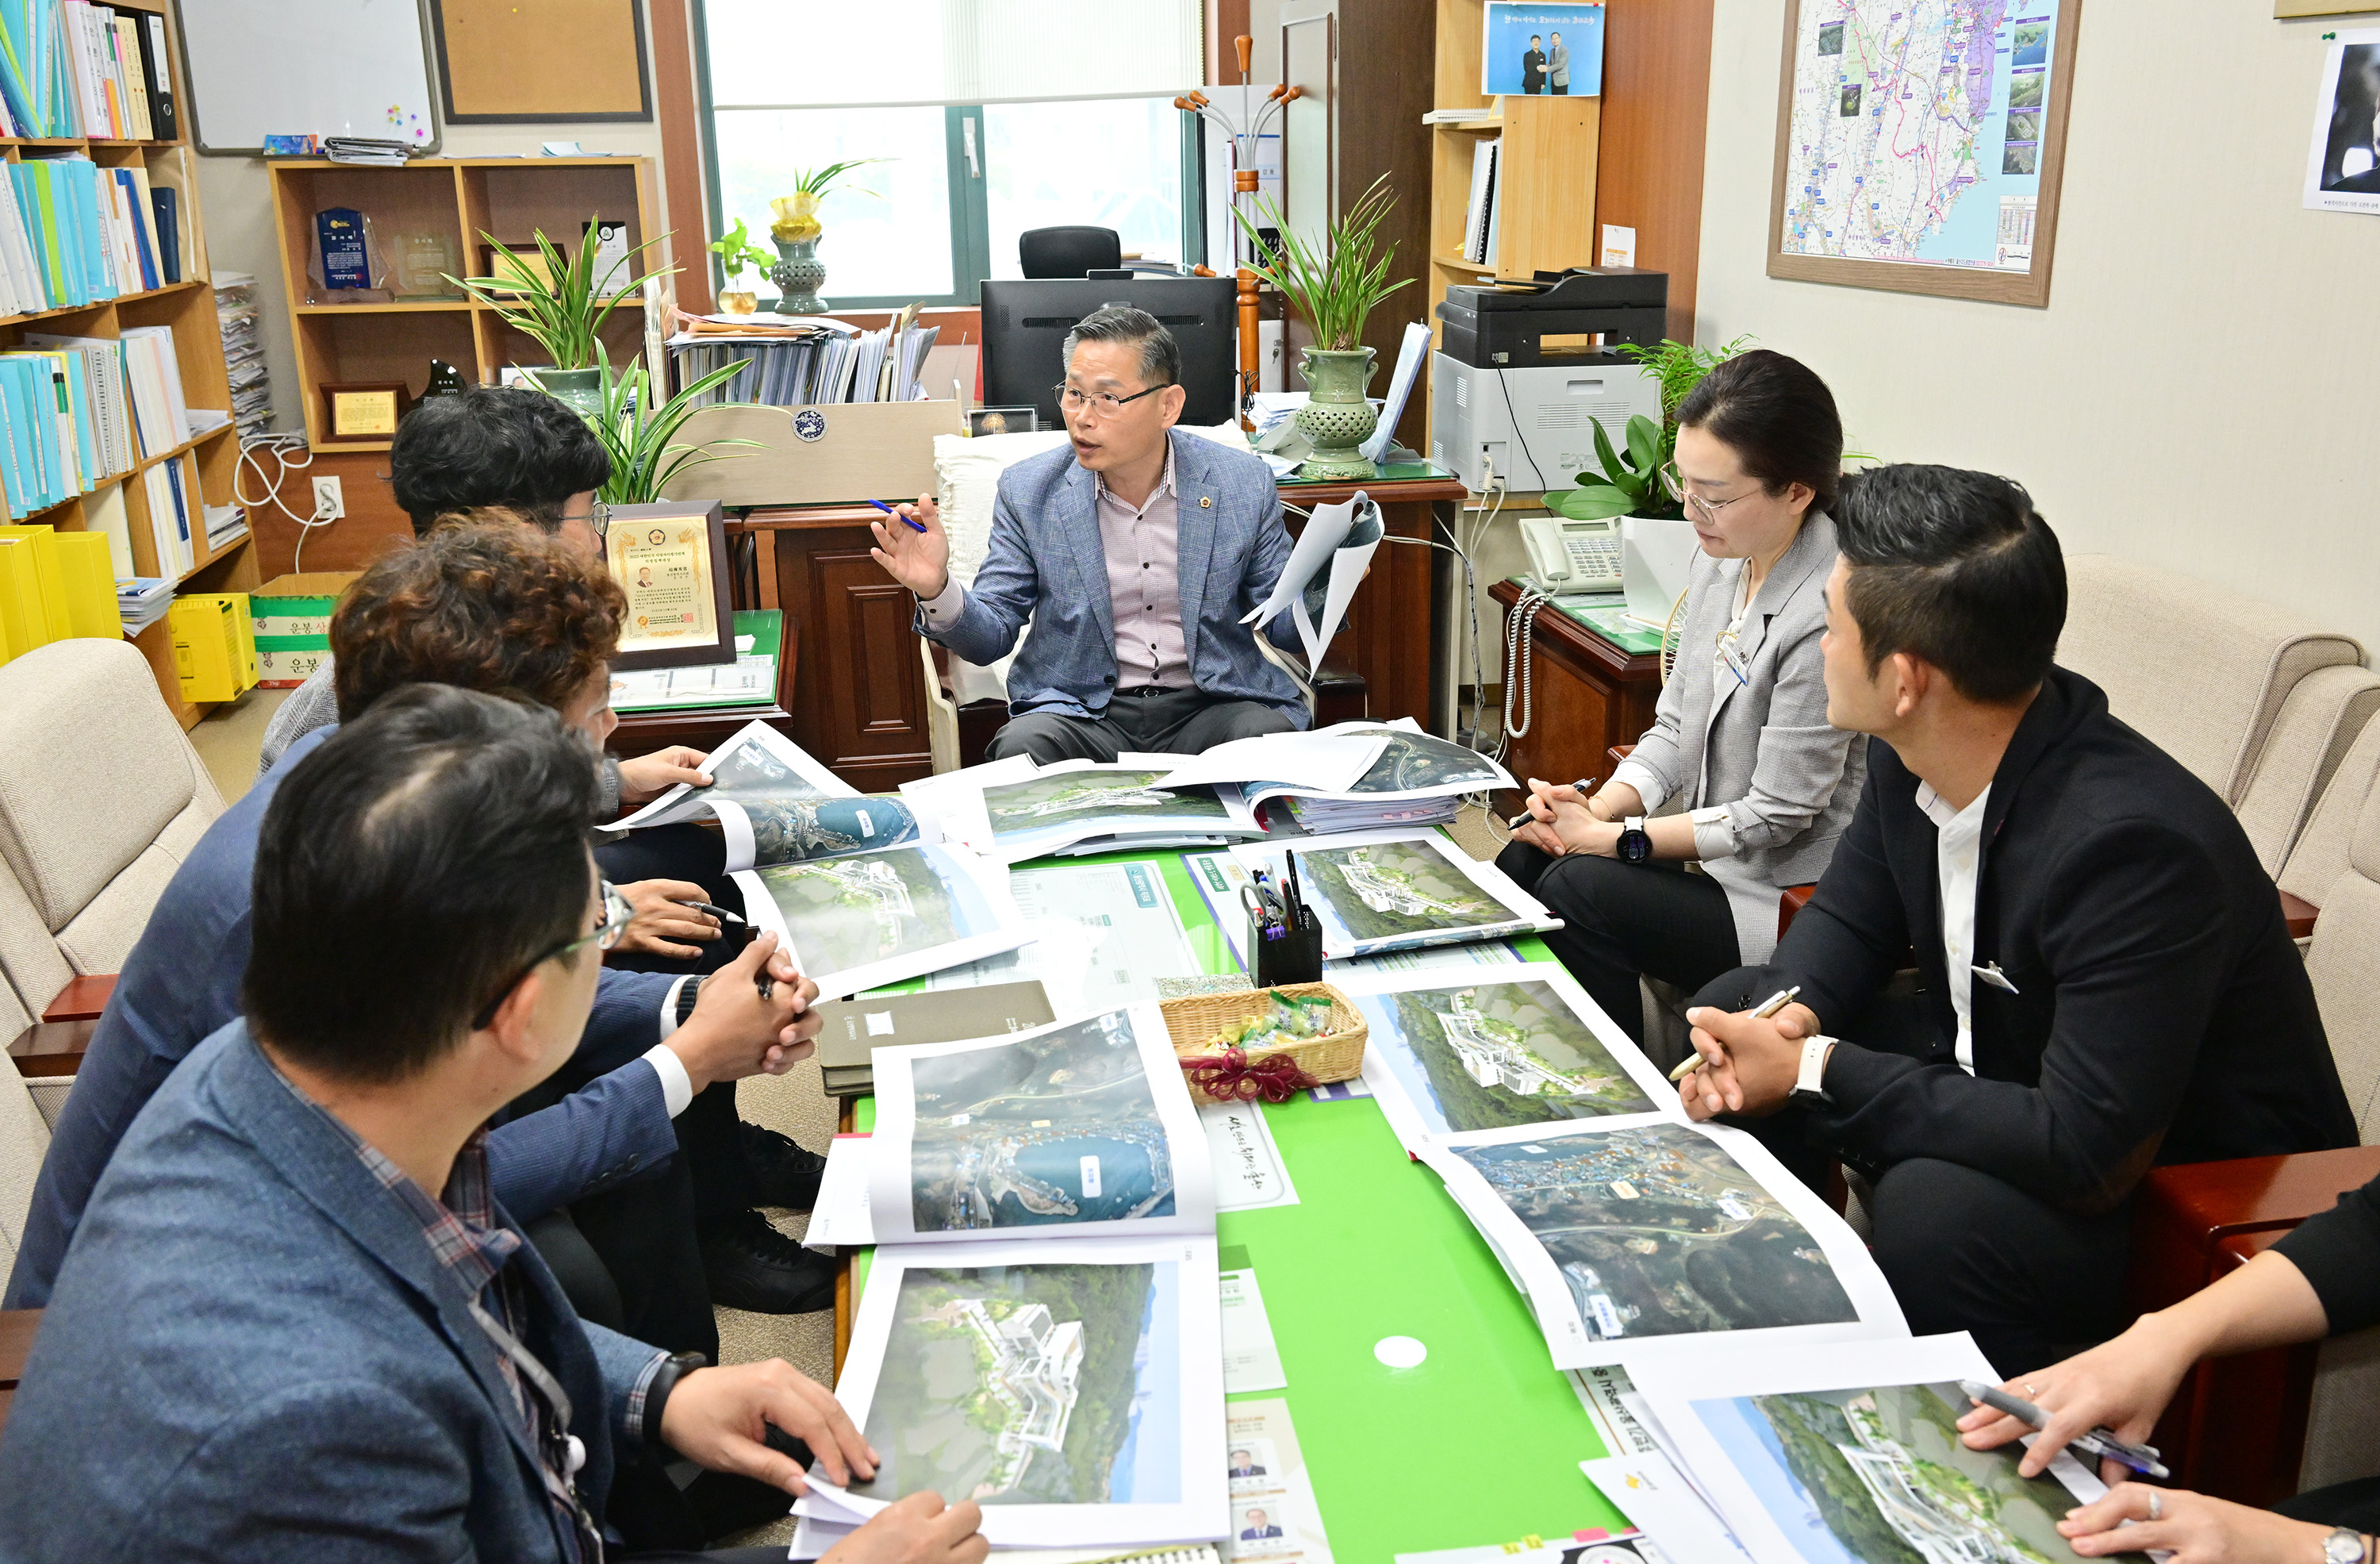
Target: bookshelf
column 455, row 201
column 188, row 309
column 1546, row 175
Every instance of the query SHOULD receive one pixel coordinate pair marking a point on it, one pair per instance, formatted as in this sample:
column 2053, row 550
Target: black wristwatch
column 1636, row 845
column 672, row 1368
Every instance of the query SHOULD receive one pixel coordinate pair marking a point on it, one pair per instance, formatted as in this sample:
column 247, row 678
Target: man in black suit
column 2104, row 979
column 1258, row 1527
column 1243, row 1465
column 1532, row 66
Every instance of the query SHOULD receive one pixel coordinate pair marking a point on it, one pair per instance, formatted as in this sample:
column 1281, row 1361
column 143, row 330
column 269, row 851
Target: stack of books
column 175, row 523
column 225, row 524
column 76, row 412
column 68, row 68
column 72, row 233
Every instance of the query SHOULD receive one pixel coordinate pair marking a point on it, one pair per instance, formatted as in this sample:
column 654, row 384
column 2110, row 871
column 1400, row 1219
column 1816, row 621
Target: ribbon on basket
column 1228, row 1075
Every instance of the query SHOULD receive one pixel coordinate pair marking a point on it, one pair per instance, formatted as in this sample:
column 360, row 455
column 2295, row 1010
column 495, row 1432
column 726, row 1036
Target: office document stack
column 790, row 372
column 251, row 386
column 68, row 68
column 366, row 151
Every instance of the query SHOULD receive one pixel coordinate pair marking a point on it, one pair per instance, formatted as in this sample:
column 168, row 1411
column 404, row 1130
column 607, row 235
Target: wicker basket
column 1337, row 1056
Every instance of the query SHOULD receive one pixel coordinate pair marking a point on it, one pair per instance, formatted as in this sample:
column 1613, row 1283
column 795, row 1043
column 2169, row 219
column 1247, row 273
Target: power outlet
column 330, row 502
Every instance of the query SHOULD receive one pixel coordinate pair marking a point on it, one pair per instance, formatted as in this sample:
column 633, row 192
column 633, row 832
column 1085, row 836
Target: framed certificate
column 671, row 560
column 365, row 409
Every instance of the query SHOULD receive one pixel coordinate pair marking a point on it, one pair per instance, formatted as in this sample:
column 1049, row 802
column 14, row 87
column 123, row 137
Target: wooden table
column 1588, row 694
column 862, row 710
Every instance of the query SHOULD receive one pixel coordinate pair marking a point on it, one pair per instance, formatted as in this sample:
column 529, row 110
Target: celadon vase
column 580, row 389
column 800, row 274
column 1335, row 417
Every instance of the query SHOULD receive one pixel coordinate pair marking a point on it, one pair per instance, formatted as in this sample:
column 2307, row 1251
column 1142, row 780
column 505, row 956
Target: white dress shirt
column 1958, row 863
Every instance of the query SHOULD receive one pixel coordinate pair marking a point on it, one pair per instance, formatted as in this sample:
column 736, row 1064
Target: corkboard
column 502, row 62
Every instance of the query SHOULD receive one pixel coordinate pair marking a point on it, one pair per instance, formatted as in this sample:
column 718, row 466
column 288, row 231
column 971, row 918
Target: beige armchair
column 2259, row 702
column 100, row 797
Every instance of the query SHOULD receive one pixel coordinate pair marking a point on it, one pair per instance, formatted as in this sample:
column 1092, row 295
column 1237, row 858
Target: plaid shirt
column 463, row 1232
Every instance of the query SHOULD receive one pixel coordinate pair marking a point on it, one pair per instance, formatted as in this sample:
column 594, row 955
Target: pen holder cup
column 1295, row 957
column 1336, row 1056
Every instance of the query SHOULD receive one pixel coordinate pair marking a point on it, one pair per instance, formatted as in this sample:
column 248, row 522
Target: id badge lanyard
column 564, row 1453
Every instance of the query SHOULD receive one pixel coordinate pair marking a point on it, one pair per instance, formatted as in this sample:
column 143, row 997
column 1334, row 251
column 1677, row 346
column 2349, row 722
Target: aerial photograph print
column 1067, row 797
column 1035, row 1384
column 1877, row 1475
column 1387, row 890
column 1056, row 1128
column 1658, row 1231
column 845, row 912
column 1490, row 1055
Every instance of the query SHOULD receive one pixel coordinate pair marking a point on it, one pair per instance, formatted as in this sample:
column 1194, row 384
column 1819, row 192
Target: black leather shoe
column 751, row 1265
column 784, row 1174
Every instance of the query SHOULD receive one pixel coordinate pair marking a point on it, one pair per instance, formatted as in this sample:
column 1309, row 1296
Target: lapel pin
column 1205, row 501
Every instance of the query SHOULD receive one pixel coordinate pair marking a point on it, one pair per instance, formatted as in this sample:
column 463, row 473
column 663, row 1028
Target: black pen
column 1297, row 899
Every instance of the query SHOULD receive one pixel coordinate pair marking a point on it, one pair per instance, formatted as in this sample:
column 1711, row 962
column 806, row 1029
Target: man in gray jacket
column 1135, row 553
column 1557, row 66
column 295, row 1322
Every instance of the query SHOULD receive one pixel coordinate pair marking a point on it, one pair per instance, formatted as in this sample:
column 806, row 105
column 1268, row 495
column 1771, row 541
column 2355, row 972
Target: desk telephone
column 1572, row 556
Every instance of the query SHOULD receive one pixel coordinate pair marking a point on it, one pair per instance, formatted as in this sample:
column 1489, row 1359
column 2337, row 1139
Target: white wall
column 2203, row 391
column 235, row 198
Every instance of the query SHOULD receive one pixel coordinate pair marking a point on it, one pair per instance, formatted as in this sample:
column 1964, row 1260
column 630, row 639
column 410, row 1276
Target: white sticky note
column 879, row 1023
column 1619, row 245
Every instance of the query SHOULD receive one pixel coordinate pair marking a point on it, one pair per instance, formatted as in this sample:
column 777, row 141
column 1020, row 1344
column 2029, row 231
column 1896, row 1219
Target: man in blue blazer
column 1135, row 552
column 296, row 1323
column 538, row 637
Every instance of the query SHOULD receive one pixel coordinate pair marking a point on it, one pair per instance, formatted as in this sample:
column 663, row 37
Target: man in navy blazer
column 638, row 1064
column 295, row 1322
column 1135, row 552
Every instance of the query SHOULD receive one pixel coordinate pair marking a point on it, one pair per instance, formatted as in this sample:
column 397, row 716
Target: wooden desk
column 862, row 710
column 1589, row 696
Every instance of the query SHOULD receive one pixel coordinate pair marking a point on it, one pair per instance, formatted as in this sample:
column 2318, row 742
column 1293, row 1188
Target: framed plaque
column 670, row 561
column 364, row 409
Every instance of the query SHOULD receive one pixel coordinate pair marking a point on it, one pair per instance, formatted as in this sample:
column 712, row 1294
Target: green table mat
column 1478, row 1444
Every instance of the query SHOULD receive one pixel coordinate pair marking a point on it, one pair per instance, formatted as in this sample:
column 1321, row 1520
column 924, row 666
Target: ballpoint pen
column 721, row 913
column 2098, row 1442
column 914, row 524
column 1766, row 1009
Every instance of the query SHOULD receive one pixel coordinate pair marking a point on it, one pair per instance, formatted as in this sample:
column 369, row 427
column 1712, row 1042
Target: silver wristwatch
column 2345, row 1545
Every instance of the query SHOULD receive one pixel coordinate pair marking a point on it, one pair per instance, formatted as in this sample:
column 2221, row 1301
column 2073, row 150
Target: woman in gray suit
column 1762, row 787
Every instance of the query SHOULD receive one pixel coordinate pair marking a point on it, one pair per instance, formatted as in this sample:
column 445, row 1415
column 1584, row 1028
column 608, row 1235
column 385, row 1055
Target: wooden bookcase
column 188, row 308
column 459, row 200
column 1545, row 173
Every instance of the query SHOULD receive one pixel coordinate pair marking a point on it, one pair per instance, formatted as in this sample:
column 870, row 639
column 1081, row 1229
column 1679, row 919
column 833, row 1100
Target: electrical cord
column 280, row 446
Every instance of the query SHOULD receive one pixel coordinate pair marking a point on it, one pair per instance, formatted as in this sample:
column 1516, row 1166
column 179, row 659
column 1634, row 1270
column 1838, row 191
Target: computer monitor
column 1025, row 326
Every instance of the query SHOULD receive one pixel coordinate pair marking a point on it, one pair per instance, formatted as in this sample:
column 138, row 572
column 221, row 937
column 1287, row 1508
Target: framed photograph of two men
column 671, row 562
column 1920, row 144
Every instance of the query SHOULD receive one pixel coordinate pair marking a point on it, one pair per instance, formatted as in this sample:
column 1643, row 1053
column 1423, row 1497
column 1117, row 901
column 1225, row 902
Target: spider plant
column 564, row 309
column 1335, row 287
column 638, row 436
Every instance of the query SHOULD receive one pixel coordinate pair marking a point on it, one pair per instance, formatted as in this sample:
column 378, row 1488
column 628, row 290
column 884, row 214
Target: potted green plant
column 638, row 437
column 561, row 305
column 1632, row 483
column 738, row 254
column 799, row 274
column 1334, row 288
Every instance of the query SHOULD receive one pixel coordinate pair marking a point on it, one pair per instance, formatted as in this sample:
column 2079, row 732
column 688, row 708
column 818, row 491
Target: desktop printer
column 1526, row 374
column 1557, row 318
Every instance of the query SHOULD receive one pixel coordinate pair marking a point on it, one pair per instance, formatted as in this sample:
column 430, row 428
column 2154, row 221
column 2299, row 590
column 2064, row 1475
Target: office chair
column 1069, row 251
